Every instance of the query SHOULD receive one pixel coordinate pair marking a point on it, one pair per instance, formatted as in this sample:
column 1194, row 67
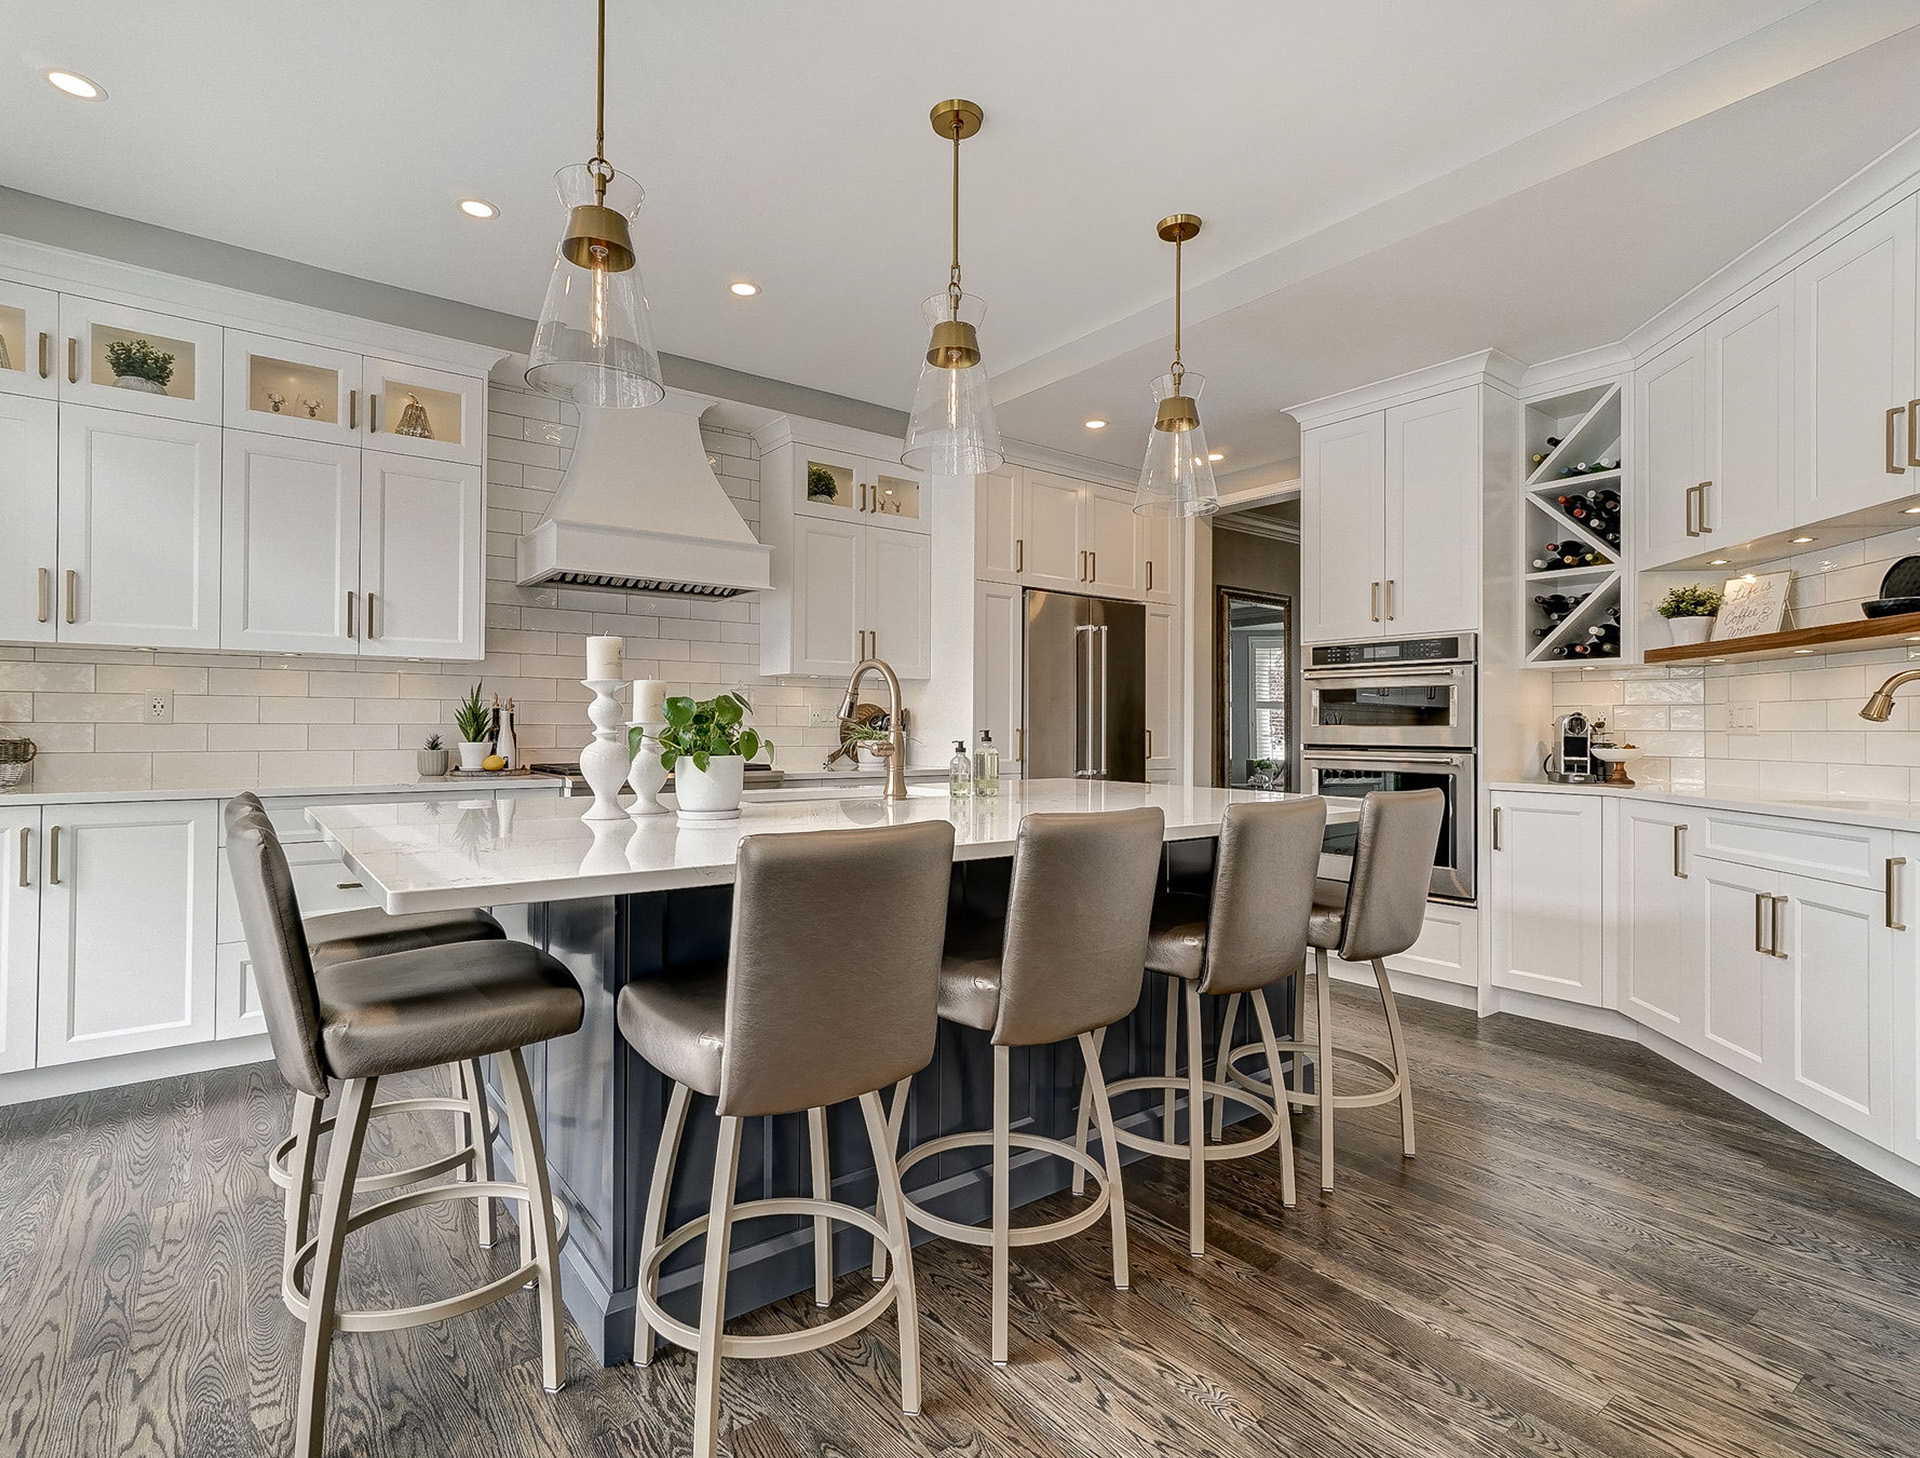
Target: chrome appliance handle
column 1359, row 675
column 1083, row 704
column 1385, row 761
column 1101, row 642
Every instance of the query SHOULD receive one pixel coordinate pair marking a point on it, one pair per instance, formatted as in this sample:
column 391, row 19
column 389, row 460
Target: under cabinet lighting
column 1911, row 511
column 1800, row 541
column 1803, row 650
column 741, row 289
column 75, row 85
column 478, row 207
column 1717, row 561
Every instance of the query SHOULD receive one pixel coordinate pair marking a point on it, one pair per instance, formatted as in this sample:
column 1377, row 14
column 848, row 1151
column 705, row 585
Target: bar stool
column 399, row 1013
column 1250, row 934
column 826, row 995
column 1064, row 964
column 1376, row 915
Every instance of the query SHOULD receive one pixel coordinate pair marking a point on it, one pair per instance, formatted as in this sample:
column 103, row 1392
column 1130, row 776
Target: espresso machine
column 1570, row 761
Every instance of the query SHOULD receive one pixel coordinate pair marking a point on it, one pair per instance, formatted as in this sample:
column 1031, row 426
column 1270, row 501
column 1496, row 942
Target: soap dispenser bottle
column 960, row 771
column 986, row 765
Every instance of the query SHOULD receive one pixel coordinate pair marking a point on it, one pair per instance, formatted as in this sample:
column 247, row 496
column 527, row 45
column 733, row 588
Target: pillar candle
column 604, row 657
column 649, row 701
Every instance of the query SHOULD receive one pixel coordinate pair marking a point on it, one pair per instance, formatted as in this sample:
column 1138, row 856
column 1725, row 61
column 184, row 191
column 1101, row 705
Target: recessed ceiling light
column 1216, row 455
column 1717, row 561
column 76, row 85
column 1799, row 541
column 1911, row 511
column 478, row 207
column 1096, row 424
column 740, row 288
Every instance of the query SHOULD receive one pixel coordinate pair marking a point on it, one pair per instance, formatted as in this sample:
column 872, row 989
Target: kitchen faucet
column 1880, row 703
column 895, row 749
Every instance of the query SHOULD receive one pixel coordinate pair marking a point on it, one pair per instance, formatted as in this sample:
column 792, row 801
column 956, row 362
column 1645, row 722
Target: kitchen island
column 617, row 901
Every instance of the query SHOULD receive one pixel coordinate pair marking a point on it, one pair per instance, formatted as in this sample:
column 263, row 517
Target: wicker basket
column 15, row 756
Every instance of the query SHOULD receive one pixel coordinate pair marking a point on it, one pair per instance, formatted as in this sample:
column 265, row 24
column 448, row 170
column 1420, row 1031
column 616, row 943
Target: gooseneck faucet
column 895, row 749
column 1880, row 702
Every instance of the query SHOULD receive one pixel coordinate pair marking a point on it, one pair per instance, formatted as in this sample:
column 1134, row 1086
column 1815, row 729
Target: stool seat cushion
column 1327, row 923
column 1177, row 940
column 971, row 972
column 347, row 936
column 678, row 1024
column 419, row 1009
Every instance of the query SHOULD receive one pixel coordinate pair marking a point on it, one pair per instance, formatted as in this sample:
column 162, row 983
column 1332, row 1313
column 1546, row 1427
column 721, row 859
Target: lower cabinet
column 1661, row 979
column 19, row 935
column 1736, row 920
column 1548, row 916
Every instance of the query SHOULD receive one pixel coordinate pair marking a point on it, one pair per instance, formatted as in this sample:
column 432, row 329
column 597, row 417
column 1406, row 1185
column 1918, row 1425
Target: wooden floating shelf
column 1853, row 637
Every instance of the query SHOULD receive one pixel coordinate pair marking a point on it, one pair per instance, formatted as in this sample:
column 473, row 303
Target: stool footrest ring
column 980, row 1235
column 1173, row 1149
column 278, row 1163
column 1364, row 1100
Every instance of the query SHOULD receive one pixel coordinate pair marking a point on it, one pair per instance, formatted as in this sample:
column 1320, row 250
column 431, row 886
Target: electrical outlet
column 816, row 716
column 1743, row 716
column 160, row 707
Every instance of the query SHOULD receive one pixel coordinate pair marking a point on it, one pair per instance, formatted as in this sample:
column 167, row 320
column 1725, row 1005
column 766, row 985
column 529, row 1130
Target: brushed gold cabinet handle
column 373, row 413
column 1373, row 600
column 371, row 635
column 73, row 365
column 348, row 886
column 73, row 590
column 1913, row 459
column 1692, row 530
column 1093, row 566
column 350, row 597
column 26, row 838
column 1496, row 827
column 1019, row 554
column 46, row 593
column 1149, row 744
column 1700, row 515
column 44, row 342
column 1019, row 746
column 1892, row 469
column 873, row 642
column 353, row 410
column 1760, row 899
column 1894, row 863
column 1149, row 574
column 1389, row 599
column 1679, row 851
column 1774, row 950
column 53, row 856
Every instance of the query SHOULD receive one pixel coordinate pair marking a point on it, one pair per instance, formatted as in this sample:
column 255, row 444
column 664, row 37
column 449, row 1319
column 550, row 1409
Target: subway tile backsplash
column 300, row 720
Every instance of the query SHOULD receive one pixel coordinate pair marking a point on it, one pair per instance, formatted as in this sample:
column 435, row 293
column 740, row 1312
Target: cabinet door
column 999, row 635
column 1109, row 528
column 289, row 545
column 829, row 485
column 1053, row 548
column 1901, row 883
column 139, row 530
column 1854, row 318
column 1734, row 931
column 1670, row 402
column 30, row 487
column 1342, row 530
column 1750, row 411
column 19, row 934
column 1164, row 699
column 90, row 328
column 1159, row 535
column 1432, row 516
column 998, row 551
column 239, row 1014
column 1658, row 921
column 1547, row 896
column 829, row 594
column 422, row 568
column 29, row 341
column 283, row 388
column 894, row 498
column 413, row 411
column 127, row 910
column 899, row 591
column 1832, row 1004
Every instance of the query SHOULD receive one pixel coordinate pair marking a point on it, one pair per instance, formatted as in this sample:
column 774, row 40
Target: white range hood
column 640, row 510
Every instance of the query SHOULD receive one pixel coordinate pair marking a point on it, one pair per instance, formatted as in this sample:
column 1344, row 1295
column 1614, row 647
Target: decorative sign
column 1753, row 604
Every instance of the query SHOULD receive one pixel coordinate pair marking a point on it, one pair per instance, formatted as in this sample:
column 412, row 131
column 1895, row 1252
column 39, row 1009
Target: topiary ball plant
column 1695, row 600
column 138, row 360
column 820, row 484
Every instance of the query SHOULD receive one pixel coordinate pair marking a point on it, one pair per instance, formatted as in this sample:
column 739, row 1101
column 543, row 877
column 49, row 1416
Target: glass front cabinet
column 29, row 340
column 122, row 358
column 837, row 487
column 281, row 388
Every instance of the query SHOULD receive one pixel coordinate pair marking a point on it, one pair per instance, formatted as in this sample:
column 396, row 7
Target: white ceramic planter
column 1690, row 632
column 143, row 386
column 712, row 793
column 472, row 756
column 432, row 763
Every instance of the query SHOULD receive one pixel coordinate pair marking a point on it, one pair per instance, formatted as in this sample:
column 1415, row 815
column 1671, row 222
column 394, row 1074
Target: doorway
column 1255, row 682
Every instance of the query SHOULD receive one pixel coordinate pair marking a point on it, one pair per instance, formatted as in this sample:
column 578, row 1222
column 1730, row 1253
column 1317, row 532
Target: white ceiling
column 1384, row 183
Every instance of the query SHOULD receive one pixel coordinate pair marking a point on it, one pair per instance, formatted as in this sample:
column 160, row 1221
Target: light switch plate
column 1743, row 716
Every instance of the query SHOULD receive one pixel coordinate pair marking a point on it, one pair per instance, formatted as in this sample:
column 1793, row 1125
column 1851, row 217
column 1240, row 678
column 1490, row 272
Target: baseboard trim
column 1407, row 984
column 33, row 1084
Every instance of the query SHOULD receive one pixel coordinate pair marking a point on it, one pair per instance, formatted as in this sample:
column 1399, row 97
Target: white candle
column 649, row 701
column 605, row 657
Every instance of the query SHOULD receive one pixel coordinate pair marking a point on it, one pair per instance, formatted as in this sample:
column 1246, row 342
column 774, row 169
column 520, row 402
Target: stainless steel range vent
column 611, row 583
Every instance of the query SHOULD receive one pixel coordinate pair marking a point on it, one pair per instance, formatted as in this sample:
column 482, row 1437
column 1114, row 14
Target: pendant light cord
column 601, row 169
column 1179, row 369
column 953, row 273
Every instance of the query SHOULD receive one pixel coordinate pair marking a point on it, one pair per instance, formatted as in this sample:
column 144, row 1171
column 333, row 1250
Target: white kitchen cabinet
column 1658, row 920
column 1163, row 688
column 290, row 545
column 1431, row 561
column 422, row 558
column 1671, row 454
column 998, row 551
column 1750, row 411
column 1448, row 948
column 282, row 387
column 89, row 327
column 29, row 485
column 239, row 1013
column 19, row 934
column 1736, row 923
column 1110, row 527
column 1548, row 869
column 29, row 331
column 898, row 578
column 833, row 485
column 127, row 914
column 1854, row 320
column 1054, row 542
column 1343, row 483
column 1160, row 540
column 999, row 680
column 139, row 530
column 403, row 400
column 826, row 562
column 1902, row 874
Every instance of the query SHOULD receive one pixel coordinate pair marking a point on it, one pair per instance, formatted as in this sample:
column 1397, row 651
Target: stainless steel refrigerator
column 1086, row 699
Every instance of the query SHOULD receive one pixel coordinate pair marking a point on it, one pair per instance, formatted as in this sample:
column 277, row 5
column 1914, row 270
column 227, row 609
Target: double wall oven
column 1396, row 716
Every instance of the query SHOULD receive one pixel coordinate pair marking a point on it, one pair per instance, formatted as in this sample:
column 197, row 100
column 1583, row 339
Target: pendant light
column 593, row 345
column 951, row 431
column 1177, row 476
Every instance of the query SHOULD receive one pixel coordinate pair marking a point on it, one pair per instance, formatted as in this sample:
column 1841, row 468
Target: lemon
column 493, row 762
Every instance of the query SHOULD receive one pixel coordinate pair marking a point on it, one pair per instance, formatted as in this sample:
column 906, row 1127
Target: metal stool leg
column 1002, row 1200
column 896, row 1120
column 1084, row 1124
column 299, row 1196
column 1196, row 1128
column 1220, row 1064
column 1172, row 1058
column 473, row 1088
column 822, row 1190
column 1095, row 1082
column 893, row 1214
column 316, row 1347
column 656, row 1217
column 713, row 1292
column 1265, row 1017
column 1299, row 1035
column 1323, row 1065
column 530, row 1164
column 1400, row 1069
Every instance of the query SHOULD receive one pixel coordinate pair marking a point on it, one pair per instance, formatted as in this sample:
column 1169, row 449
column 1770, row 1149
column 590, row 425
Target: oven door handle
column 1384, row 759
column 1358, row 675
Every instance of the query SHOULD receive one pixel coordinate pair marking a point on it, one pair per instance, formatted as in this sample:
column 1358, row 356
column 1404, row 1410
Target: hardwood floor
column 1594, row 1254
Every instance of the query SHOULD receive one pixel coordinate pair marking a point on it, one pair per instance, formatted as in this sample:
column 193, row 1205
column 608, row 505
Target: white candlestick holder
column 604, row 762
column 645, row 774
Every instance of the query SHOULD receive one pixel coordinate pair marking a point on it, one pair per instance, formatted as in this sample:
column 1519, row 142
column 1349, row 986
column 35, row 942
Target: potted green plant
column 1689, row 611
column 706, row 744
column 820, row 484
column 137, row 365
column 431, row 759
column 472, row 720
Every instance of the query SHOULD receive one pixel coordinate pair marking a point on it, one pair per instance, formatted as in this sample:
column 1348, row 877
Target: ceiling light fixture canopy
column 952, row 431
column 593, row 345
column 1177, row 476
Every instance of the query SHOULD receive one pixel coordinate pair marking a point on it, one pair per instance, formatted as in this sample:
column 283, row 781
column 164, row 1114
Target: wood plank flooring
column 1595, row 1256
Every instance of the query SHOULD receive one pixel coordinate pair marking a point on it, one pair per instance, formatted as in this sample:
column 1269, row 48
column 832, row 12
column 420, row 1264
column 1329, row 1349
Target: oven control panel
column 1451, row 648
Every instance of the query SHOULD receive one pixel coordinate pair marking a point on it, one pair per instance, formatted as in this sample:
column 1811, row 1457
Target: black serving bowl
column 1890, row 607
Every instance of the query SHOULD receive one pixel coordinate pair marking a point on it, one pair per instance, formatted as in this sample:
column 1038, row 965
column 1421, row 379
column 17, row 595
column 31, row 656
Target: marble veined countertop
column 440, row 855
column 1834, row 810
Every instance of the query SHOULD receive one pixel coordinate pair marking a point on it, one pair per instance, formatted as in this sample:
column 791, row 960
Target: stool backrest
column 833, row 975
column 1392, row 872
column 1262, row 893
column 276, row 944
column 1078, row 913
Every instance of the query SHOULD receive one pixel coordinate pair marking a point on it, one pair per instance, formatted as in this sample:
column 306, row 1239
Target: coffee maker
column 1570, row 761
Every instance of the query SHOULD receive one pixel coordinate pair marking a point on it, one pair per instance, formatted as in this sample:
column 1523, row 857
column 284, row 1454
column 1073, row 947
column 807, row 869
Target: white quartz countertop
column 1874, row 814
column 437, row 785
column 440, row 855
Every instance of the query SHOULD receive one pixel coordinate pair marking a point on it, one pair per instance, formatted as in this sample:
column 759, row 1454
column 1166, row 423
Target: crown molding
column 1491, row 367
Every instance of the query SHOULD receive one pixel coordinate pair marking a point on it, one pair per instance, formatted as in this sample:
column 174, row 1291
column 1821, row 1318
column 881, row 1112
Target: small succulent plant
column 433, row 742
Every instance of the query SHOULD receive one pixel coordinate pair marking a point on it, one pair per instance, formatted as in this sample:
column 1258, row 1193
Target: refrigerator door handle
column 1102, row 642
column 1083, row 759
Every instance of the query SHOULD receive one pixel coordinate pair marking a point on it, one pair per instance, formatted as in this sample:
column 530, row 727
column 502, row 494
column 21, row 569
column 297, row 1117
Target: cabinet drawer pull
column 53, row 856
column 1774, row 950
column 45, row 369
column 353, row 410
column 26, row 841
column 1680, row 852
column 1496, row 827
column 1892, row 468
column 46, row 593
column 73, row 364
column 73, row 596
column 1700, row 511
column 1760, row 899
column 1894, row 863
column 350, row 597
column 1019, row 554
column 348, row 886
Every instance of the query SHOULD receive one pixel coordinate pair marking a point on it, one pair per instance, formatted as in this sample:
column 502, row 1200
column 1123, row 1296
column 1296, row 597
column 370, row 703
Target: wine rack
column 1576, row 529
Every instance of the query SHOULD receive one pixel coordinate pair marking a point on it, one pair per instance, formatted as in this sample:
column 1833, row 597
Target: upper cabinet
column 282, row 388
column 29, row 340
column 29, row 547
column 1041, row 529
column 839, row 486
column 120, row 358
column 412, row 411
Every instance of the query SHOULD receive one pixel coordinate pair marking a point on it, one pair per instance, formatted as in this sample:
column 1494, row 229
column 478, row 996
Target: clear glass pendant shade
column 952, row 430
column 1177, row 477
column 593, row 345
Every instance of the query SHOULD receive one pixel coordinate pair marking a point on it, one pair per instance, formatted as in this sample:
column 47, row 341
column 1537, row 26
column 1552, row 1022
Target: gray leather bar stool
column 1065, row 964
column 824, row 997
column 1376, row 915
column 374, row 1017
column 1248, row 935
